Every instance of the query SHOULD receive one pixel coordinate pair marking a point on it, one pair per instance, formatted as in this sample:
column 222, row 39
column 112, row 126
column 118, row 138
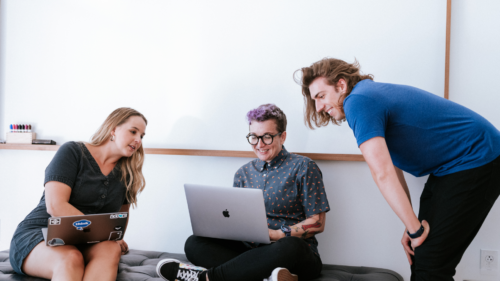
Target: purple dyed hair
column 267, row 112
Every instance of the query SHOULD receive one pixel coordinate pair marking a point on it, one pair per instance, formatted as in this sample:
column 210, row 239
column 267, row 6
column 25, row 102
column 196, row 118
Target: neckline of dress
column 94, row 164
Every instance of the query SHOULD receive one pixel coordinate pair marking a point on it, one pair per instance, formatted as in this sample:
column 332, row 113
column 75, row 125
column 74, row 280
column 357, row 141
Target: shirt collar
column 276, row 162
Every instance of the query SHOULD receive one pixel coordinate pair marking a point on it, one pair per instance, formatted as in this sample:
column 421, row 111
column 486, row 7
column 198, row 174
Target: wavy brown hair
column 131, row 167
column 333, row 70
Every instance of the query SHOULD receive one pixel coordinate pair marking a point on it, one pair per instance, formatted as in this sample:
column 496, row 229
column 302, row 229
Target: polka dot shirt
column 293, row 189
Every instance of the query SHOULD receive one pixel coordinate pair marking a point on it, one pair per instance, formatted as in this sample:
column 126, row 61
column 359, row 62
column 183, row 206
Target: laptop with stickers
column 85, row 229
column 227, row 213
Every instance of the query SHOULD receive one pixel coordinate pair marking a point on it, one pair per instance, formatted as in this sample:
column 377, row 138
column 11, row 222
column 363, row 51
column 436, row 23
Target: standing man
column 402, row 128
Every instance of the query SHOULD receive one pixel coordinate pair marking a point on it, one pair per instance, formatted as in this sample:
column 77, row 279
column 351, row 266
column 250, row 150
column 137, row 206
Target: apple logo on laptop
column 226, row 213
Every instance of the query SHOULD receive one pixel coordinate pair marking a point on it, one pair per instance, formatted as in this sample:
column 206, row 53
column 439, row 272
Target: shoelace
column 188, row 274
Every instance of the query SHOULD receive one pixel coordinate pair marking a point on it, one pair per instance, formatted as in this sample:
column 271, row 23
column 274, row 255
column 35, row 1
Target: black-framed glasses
column 266, row 138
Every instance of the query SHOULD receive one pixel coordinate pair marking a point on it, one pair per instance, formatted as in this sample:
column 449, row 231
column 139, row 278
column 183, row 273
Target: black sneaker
column 173, row 270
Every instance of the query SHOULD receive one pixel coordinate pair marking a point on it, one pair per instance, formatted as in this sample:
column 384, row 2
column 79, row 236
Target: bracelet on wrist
column 417, row 234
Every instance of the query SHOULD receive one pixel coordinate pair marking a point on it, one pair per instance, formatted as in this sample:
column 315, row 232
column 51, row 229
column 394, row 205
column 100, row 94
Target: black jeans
column 455, row 206
column 229, row 260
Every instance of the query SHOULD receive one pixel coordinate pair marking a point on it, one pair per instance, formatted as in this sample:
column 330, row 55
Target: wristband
column 416, row 234
column 286, row 229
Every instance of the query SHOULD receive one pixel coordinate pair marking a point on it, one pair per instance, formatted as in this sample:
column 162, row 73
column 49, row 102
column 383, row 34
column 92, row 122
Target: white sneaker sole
column 282, row 274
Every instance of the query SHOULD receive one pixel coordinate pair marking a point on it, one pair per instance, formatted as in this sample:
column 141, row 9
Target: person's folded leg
column 212, row 252
column 291, row 253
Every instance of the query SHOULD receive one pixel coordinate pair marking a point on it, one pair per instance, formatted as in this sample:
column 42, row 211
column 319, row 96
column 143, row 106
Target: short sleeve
column 313, row 194
column 366, row 117
column 64, row 166
column 238, row 178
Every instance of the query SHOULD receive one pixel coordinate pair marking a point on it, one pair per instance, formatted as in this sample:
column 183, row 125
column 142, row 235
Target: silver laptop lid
column 227, row 213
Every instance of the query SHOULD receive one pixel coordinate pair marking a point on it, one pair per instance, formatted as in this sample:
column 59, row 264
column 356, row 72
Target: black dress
column 92, row 193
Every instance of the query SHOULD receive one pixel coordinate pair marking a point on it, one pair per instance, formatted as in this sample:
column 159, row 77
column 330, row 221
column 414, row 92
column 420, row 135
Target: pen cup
column 22, row 138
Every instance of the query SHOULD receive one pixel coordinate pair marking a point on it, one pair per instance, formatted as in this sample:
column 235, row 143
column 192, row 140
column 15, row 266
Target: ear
column 342, row 86
column 283, row 137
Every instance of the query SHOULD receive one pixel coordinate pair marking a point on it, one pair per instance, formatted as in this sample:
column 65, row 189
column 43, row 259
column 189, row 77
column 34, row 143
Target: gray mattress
column 140, row 265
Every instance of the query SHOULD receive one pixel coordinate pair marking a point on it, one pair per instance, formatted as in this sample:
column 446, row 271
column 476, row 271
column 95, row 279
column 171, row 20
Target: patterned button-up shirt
column 293, row 189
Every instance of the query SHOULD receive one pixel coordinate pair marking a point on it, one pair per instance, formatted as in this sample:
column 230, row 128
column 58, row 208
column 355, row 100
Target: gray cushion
column 140, row 265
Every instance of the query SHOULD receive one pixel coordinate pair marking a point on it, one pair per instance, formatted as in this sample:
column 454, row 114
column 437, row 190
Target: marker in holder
column 21, row 134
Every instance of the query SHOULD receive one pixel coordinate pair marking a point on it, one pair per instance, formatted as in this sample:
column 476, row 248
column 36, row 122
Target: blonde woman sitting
column 102, row 176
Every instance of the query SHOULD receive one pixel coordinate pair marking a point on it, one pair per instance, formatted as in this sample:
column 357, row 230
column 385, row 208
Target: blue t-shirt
column 425, row 134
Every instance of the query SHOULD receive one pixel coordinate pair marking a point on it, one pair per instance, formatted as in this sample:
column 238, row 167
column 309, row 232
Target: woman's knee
column 107, row 252
column 110, row 249
column 44, row 261
column 70, row 258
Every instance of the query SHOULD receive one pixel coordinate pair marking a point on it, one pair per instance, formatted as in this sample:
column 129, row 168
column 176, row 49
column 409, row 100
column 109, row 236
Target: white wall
column 192, row 64
column 357, row 205
column 2, row 33
column 475, row 58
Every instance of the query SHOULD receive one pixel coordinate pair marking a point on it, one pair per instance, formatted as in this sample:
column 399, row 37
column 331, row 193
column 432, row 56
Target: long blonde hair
column 131, row 167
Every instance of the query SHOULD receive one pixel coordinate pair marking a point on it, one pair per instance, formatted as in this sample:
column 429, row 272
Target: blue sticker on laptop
column 81, row 224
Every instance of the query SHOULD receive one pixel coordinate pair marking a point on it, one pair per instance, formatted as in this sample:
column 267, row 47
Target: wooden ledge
column 199, row 152
column 29, row 147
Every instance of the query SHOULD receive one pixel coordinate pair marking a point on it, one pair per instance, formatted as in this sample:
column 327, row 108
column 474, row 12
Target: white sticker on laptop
column 56, row 242
column 118, row 216
column 54, row 221
column 81, row 224
column 115, row 235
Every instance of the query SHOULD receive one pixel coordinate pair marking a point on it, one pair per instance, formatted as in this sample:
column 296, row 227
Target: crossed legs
column 232, row 260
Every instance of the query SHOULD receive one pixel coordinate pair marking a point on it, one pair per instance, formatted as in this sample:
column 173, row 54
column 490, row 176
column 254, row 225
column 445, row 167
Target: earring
column 112, row 138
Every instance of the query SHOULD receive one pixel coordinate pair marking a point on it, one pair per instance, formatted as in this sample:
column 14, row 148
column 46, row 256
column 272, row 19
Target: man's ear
column 342, row 86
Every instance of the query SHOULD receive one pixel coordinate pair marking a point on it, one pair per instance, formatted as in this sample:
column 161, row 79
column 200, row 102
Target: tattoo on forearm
column 306, row 230
column 309, row 234
column 315, row 225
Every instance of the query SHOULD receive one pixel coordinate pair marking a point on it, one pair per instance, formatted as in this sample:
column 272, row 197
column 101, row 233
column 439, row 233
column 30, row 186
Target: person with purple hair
column 296, row 206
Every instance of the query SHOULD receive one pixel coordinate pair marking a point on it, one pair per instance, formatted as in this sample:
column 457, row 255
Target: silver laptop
column 85, row 229
column 227, row 213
